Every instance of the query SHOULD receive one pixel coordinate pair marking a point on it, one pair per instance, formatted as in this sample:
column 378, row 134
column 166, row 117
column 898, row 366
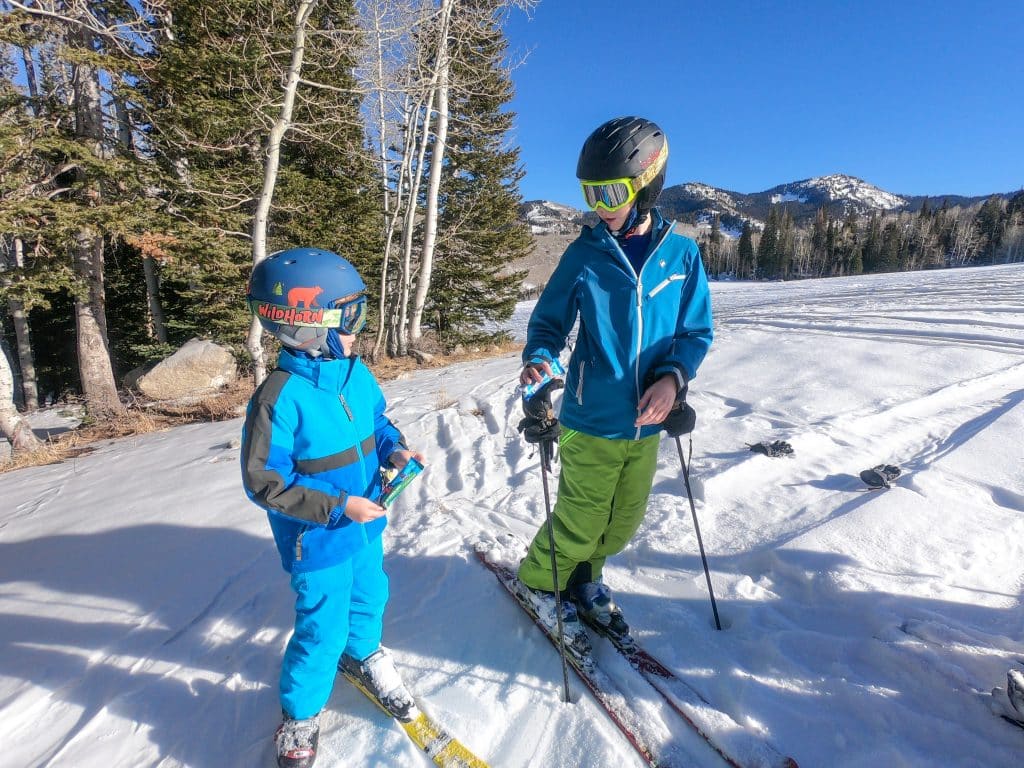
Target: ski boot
column 594, row 601
column 377, row 675
column 544, row 607
column 296, row 742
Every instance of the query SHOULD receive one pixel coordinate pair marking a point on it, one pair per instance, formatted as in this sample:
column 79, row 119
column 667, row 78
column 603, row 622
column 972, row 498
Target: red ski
column 737, row 746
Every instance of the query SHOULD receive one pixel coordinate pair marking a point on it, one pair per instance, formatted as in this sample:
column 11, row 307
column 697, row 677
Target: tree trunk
column 101, row 399
column 12, row 425
column 434, row 184
column 29, row 385
column 94, row 364
column 156, row 312
column 259, row 225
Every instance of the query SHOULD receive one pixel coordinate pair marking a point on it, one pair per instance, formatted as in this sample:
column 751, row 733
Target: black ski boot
column 544, row 607
column 296, row 742
column 594, row 601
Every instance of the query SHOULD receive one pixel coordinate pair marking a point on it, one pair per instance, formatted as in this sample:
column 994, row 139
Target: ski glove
column 540, row 424
column 682, row 418
column 778, row 448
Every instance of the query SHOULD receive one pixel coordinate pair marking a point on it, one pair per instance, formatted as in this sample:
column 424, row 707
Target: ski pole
column 696, row 526
column 545, row 466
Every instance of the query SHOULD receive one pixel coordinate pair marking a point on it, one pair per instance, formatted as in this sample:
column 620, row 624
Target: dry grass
column 142, row 417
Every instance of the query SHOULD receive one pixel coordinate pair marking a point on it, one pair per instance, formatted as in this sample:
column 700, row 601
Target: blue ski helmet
column 305, row 297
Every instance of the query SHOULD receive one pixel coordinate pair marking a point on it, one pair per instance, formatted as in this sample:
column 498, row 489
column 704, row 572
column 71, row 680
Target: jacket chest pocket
column 676, row 278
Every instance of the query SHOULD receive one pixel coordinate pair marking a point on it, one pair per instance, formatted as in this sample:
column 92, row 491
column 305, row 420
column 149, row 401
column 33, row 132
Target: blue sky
column 915, row 97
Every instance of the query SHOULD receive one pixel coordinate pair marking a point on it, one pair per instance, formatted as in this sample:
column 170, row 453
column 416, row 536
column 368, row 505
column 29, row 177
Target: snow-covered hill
column 840, row 193
column 850, row 192
column 143, row 610
column 547, row 218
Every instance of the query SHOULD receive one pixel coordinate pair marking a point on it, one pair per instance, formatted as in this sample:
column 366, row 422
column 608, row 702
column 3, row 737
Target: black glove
column 776, row 449
column 680, row 420
column 681, row 417
column 540, row 424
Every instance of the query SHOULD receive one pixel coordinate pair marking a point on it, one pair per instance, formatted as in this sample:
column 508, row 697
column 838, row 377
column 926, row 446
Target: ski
column 739, row 748
column 597, row 682
column 733, row 742
column 429, row 735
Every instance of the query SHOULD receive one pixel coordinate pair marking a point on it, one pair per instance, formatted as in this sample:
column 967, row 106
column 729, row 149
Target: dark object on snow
column 880, row 476
column 778, row 448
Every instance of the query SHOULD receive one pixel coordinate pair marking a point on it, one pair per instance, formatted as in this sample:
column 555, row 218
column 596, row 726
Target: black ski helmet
column 627, row 148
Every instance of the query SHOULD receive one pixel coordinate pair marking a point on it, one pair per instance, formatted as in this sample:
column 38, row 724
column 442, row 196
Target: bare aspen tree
column 270, row 170
column 23, row 337
column 12, row 425
column 440, row 87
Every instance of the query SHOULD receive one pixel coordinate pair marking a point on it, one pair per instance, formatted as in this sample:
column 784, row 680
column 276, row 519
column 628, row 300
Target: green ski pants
column 602, row 497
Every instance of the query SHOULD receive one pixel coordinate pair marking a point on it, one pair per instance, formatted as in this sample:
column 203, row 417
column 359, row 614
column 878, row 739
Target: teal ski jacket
column 632, row 328
column 315, row 432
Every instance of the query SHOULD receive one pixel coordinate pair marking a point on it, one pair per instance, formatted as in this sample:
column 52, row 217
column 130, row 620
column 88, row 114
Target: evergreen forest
column 153, row 150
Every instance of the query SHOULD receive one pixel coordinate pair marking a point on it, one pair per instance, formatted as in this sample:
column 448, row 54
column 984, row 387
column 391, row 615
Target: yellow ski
column 440, row 746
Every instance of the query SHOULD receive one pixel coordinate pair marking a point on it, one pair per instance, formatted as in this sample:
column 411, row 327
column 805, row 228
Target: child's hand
column 657, row 401
column 400, row 458
column 361, row 510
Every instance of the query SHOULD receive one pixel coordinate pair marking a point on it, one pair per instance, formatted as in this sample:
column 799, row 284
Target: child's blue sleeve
column 268, row 469
column 389, row 439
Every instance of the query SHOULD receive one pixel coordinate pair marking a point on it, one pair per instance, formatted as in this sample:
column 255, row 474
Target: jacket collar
column 600, row 237
column 330, row 375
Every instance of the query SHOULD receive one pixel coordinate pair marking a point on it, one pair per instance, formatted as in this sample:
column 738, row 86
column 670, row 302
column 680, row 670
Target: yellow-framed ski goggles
column 614, row 194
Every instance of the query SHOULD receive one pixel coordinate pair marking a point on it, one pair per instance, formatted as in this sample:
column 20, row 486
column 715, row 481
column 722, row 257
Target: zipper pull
column 348, row 411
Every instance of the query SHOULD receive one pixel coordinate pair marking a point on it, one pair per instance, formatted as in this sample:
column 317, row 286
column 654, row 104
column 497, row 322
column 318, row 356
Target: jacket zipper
column 639, row 304
column 359, row 450
column 640, row 316
column 579, row 385
column 661, row 286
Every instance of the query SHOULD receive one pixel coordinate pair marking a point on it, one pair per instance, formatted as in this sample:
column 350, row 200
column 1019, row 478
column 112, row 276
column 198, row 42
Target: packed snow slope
column 143, row 610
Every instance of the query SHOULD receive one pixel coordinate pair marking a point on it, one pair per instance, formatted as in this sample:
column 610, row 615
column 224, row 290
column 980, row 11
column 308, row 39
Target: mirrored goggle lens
column 353, row 316
column 610, row 196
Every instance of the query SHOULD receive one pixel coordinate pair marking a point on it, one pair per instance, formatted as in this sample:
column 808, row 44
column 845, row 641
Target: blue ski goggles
column 352, row 315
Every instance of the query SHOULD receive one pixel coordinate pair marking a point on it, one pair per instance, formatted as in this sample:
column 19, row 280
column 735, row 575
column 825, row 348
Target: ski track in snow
column 143, row 611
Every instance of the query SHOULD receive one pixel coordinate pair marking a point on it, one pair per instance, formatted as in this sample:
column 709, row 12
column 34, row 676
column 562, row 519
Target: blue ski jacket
column 632, row 328
column 315, row 432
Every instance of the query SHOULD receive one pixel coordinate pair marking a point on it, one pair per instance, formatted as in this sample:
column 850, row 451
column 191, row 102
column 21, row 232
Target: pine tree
column 768, row 248
column 479, row 233
column 746, row 255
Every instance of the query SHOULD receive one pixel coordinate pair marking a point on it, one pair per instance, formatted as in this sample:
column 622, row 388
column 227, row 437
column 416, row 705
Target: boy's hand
column 360, row 509
column 400, row 458
column 657, row 401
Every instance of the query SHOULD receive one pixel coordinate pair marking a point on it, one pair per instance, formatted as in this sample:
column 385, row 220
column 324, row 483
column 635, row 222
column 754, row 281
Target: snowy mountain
column 849, row 191
column 840, row 193
column 547, row 218
column 143, row 609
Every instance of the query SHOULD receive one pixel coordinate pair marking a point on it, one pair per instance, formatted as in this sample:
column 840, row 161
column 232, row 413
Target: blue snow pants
column 337, row 610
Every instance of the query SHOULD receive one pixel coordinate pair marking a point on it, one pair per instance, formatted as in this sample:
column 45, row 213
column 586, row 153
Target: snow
column 145, row 611
column 851, row 189
column 788, row 198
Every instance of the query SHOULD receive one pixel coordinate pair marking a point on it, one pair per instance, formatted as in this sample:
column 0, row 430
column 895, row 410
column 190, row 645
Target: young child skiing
column 314, row 441
column 639, row 292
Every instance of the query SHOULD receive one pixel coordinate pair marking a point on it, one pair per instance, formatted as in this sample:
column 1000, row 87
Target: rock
column 420, row 357
column 199, row 369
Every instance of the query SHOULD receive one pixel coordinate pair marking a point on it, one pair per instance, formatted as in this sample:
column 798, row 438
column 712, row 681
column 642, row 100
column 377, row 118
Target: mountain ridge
column 841, row 194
